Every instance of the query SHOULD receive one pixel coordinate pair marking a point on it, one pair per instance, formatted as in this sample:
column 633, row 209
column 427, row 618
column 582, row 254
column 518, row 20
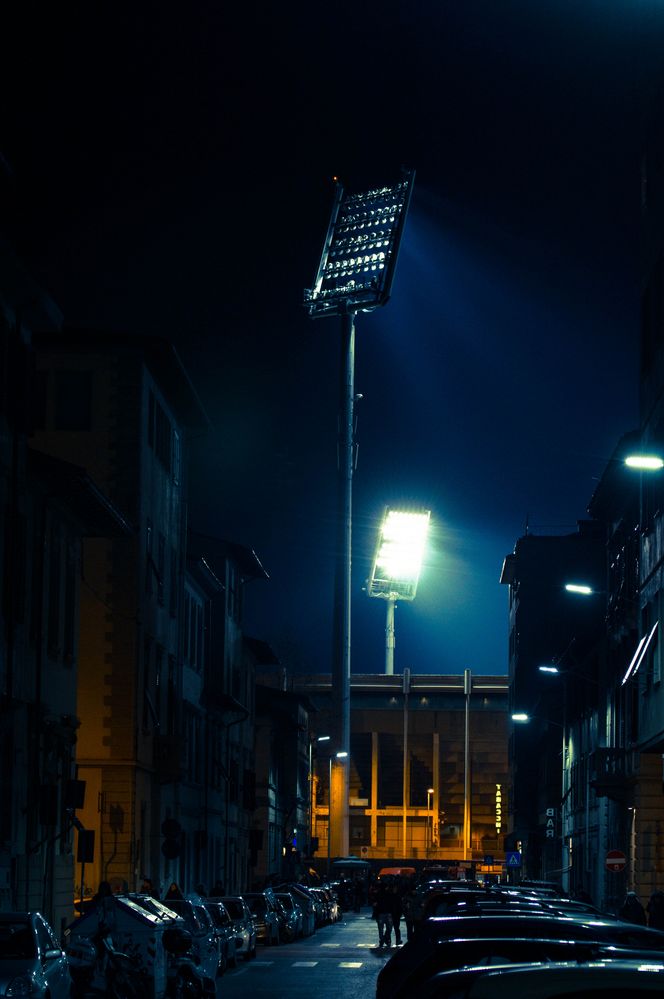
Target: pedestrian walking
column 655, row 910
column 397, row 913
column 631, row 910
column 383, row 915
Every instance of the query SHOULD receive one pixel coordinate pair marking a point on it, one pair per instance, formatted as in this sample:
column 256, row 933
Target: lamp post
column 397, row 565
column 467, row 687
column 355, row 274
column 429, row 837
column 320, row 738
column 341, row 755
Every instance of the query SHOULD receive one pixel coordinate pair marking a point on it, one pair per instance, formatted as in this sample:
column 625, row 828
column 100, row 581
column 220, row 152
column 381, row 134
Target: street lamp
column 397, row 565
column 320, row 738
column 341, row 755
column 430, row 793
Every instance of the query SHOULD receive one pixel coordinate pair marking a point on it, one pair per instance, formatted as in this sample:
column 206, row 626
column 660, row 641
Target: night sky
column 171, row 168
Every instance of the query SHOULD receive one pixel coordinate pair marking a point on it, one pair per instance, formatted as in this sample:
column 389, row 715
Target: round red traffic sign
column 615, row 860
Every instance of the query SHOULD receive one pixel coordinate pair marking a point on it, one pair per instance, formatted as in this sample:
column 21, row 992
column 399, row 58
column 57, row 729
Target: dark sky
column 172, row 167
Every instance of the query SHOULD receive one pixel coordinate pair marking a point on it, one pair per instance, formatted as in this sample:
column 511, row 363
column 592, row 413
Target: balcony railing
column 611, row 773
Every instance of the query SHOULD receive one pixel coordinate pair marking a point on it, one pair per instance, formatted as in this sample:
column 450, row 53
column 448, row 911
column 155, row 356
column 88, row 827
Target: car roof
column 557, row 979
column 573, row 926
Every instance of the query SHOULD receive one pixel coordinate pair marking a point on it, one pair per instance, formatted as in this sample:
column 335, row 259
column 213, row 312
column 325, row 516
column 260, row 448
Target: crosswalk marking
column 350, row 964
column 305, row 964
column 330, row 945
column 262, row 964
column 367, row 945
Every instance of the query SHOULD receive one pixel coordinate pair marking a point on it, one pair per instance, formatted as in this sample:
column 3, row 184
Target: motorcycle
column 185, row 979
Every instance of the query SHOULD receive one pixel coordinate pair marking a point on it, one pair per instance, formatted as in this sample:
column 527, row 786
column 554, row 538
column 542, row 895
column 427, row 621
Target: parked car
column 198, row 922
column 291, row 927
column 223, row 927
column 32, row 962
column 419, row 957
column 244, row 925
column 302, row 894
column 557, row 981
column 268, row 920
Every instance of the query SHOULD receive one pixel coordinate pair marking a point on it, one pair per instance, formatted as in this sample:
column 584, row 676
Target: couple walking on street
column 387, row 912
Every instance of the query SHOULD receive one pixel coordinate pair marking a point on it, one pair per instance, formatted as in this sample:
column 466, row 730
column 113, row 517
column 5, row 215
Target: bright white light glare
column 548, row 669
column 341, row 755
column 579, row 588
column 520, row 716
column 639, row 655
column 645, row 462
column 323, row 738
column 398, row 561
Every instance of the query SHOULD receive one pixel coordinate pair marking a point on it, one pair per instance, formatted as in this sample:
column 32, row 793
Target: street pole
column 467, row 686
column 406, row 782
column 341, row 664
column 390, row 641
column 329, row 819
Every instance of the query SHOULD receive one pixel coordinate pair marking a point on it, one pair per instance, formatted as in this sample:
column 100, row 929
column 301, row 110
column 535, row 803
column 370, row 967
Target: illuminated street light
column 548, row 669
column 520, row 716
column 582, row 588
column 397, row 565
column 645, row 462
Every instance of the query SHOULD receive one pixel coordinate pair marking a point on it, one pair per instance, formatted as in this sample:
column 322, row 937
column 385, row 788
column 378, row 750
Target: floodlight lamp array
column 398, row 560
column 359, row 255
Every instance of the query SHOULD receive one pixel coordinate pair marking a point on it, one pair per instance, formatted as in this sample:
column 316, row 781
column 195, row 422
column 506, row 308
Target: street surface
column 338, row 960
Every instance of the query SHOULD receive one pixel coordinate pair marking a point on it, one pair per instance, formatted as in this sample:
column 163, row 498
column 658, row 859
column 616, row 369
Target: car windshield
column 17, row 941
column 234, row 908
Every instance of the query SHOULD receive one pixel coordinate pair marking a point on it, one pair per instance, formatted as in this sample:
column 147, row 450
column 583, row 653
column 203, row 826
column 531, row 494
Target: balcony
column 611, row 775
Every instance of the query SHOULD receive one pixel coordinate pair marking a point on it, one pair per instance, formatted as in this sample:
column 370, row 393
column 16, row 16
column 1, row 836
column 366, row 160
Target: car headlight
column 23, row 985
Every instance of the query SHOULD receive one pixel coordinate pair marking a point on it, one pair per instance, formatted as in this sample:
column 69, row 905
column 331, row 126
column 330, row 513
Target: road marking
column 330, row 945
column 367, row 945
column 305, row 964
column 350, row 964
column 262, row 964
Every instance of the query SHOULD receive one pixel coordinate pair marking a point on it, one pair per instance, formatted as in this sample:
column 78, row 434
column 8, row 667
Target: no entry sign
column 615, row 860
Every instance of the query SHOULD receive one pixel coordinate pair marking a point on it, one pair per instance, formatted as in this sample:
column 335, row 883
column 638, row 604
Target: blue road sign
column 513, row 858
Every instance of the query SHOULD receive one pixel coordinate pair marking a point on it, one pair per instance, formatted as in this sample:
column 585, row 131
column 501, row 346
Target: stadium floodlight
column 398, row 560
column 397, row 565
column 355, row 274
column 360, row 251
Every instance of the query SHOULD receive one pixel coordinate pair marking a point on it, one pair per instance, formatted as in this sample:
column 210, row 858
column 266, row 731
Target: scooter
column 185, row 979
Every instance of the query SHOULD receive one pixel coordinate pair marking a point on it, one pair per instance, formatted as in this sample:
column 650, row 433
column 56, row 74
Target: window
column 73, row 400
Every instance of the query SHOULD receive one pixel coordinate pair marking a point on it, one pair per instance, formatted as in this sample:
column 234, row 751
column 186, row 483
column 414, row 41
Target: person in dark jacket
column 631, row 910
column 655, row 910
column 383, row 912
column 397, row 913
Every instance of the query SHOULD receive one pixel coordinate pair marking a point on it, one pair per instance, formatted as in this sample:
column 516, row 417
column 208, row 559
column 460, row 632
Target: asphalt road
column 339, row 960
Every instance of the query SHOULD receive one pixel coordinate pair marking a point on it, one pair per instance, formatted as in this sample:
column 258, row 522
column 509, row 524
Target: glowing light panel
column 645, row 462
column 398, row 560
column 360, row 250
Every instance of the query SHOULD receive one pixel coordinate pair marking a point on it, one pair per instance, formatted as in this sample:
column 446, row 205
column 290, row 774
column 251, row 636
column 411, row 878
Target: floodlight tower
column 397, row 564
column 355, row 274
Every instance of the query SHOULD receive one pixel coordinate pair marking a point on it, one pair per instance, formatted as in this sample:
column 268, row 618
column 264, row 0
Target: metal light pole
column 429, row 838
column 467, row 686
column 342, row 783
column 320, row 738
column 355, row 274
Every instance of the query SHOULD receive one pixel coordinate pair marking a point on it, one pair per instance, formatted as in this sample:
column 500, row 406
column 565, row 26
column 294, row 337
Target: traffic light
column 172, row 833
